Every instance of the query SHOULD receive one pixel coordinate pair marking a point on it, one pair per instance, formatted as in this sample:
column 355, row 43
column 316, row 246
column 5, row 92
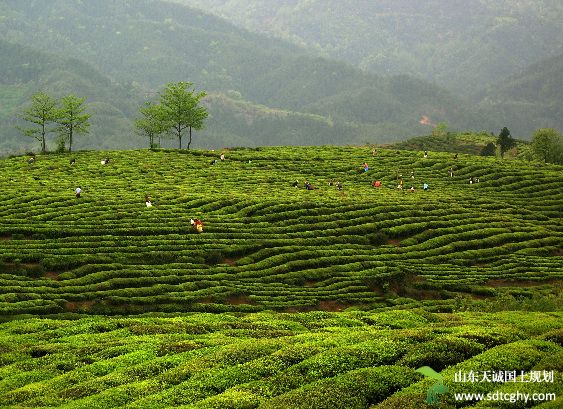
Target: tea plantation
column 275, row 360
column 267, row 244
column 290, row 297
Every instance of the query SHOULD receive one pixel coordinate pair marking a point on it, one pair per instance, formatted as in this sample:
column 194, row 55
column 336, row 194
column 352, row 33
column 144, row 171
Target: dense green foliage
column 180, row 110
column 39, row 116
column 72, row 118
column 505, row 141
column 547, row 145
column 501, row 53
column 410, row 269
column 269, row 245
column 270, row 360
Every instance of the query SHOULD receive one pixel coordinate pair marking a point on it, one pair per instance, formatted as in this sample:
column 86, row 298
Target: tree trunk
column 179, row 131
column 190, row 142
column 43, row 138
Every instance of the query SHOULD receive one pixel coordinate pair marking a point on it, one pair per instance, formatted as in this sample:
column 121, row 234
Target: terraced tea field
column 224, row 319
column 274, row 360
column 268, row 245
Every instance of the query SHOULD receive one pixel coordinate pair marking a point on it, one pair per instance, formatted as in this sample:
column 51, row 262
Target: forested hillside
column 25, row 70
column 531, row 98
column 463, row 45
column 263, row 91
column 142, row 45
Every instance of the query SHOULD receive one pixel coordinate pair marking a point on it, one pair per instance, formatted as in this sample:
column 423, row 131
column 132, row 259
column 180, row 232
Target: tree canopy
column 178, row 111
column 505, row 141
column 547, row 145
column 71, row 118
column 151, row 123
column 41, row 112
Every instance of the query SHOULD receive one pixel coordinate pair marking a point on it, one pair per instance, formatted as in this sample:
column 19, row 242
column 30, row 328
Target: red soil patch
column 30, row 265
column 558, row 252
column 51, row 275
column 27, row 266
column 394, row 242
column 78, row 305
column 206, row 300
column 5, row 238
column 300, row 309
column 520, row 283
column 229, row 261
column 332, row 306
column 309, row 283
column 406, row 288
column 419, row 294
column 238, row 299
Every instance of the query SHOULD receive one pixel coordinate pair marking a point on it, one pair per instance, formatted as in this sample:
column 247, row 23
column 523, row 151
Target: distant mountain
column 463, row 45
column 145, row 41
column 233, row 121
column 24, row 71
column 532, row 98
column 139, row 46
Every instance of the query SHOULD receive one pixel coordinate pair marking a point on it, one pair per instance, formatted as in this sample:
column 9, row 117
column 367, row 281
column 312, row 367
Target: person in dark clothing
column 73, row 161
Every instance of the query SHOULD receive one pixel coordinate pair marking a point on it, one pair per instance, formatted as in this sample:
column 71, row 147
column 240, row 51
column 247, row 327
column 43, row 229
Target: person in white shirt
column 78, row 191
